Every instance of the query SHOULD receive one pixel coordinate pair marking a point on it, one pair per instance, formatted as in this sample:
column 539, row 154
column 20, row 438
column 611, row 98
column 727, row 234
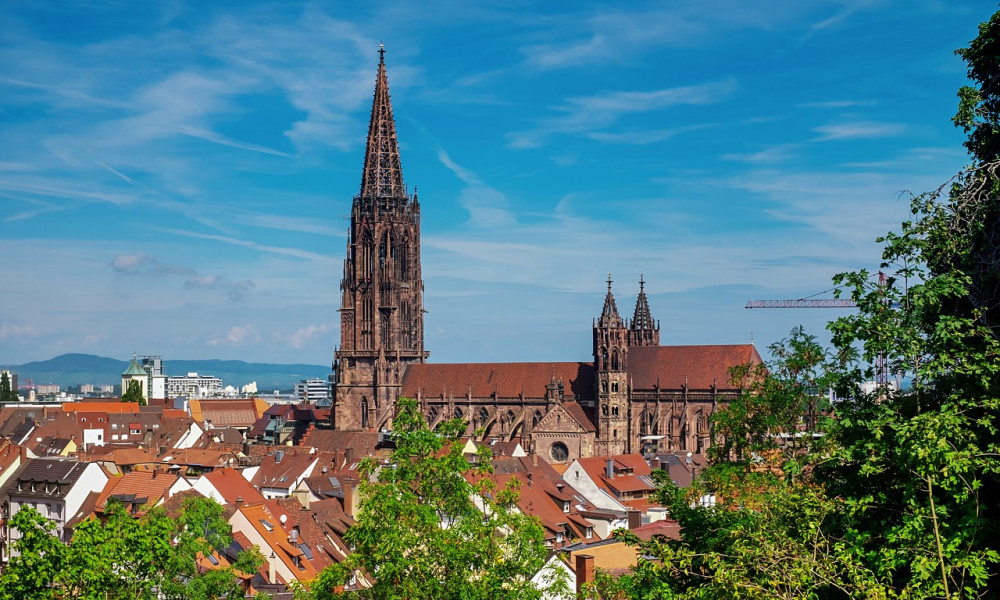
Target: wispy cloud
column 589, row 115
column 17, row 331
column 487, row 206
column 859, row 129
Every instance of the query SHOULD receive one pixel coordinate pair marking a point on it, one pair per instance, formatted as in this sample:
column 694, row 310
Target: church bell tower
column 381, row 310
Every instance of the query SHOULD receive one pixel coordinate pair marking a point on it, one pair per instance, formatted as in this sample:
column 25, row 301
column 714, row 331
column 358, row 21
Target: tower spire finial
column 381, row 52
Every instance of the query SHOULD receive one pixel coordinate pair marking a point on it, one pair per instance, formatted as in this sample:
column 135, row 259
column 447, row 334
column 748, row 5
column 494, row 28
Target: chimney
column 345, row 486
column 270, row 568
column 584, row 573
column 348, row 455
column 609, row 469
column 293, row 535
column 534, row 460
column 634, row 519
column 239, row 501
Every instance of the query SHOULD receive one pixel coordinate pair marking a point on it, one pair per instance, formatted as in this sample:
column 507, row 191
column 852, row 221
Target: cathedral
column 636, row 395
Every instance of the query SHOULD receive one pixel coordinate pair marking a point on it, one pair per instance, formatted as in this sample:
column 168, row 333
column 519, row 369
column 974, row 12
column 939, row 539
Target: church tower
column 381, row 311
column 643, row 331
column 610, row 378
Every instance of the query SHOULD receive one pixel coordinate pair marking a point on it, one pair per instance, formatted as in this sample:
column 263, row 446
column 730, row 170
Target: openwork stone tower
column 381, row 311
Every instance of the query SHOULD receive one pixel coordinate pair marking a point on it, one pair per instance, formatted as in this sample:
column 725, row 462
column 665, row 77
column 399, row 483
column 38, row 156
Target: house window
column 589, row 533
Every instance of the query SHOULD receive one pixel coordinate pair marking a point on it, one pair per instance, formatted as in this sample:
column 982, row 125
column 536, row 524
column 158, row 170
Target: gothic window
column 559, row 452
column 399, row 254
column 510, row 416
column 614, row 410
column 458, row 413
column 367, row 260
column 383, row 248
column 604, row 387
column 604, row 410
column 484, row 415
column 432, row 414
column 614, row 360
column 616, row 434
column 364, row 412
column 536, row 419
column 614, row 386
column 604, row 359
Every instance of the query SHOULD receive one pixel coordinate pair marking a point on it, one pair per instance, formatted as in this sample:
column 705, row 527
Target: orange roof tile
column 508, row 380
column 698, row 367
column 232, row 486
column 105, row 407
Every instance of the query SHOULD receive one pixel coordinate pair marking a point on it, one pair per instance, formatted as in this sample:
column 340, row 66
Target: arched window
column 604, row 387
column 614, row 386
column 458, row 413
column 484, row 415
column 604, row 359
column 364, row 412
column 604, row 409
column 614, row 410
column 614, row 360
column 536, row 419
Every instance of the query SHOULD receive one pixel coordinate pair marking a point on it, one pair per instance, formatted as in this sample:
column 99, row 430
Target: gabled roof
column 41, row 471
column 137, row 490
column 572, row 411
column 228, row 413
column 232, row 486
column 281, row 468
column 697, row 367
column 508, row 380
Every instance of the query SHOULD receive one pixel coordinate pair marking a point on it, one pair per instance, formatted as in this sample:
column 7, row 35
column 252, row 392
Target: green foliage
column 4, row 387
column 134, row 393
column 904, row 499
column 424, row 531
column 123, row 557
column 774, row 399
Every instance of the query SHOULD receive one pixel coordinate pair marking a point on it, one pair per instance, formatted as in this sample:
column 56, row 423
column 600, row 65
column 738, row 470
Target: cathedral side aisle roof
column 508, row 380
column 698, row 367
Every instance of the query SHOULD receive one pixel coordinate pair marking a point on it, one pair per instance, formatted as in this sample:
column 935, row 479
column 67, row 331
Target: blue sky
column 175, row 177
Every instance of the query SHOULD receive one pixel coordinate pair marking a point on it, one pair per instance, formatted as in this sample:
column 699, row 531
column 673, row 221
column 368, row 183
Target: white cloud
column 487, row 206
column 238, row 335
column 17, row 331
column 303, row 337
column 858, row 130
column 589, row 115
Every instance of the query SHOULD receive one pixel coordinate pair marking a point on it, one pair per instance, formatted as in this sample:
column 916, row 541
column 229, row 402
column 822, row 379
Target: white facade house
column 55, row 487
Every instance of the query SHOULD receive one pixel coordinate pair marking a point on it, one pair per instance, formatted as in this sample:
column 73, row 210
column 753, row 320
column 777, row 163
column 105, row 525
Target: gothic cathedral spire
column 644, row 331
column 382, row 176
column 382, row 312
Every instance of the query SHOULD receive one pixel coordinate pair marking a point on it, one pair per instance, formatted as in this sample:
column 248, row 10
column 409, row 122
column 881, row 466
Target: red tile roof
column 698, row 367
column 232, row 486
column 508, row 380
column 138, row 490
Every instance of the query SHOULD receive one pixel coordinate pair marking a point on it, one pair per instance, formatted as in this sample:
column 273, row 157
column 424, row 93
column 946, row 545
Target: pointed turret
column 609, row 316
column 382, row 176
column 642, row 319
column 644, row 331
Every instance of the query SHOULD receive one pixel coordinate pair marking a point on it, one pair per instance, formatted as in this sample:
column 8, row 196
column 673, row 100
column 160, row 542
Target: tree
column 134, row 393
column 123, row 557
column 775, row 399
column 425, row 531
column 7, row 394
column 919, row 466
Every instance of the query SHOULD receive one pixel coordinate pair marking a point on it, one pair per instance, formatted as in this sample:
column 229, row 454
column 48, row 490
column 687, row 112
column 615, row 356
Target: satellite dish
column 283, row 518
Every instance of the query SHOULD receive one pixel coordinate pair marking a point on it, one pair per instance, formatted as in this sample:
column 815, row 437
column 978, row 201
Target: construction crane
column 881, row 364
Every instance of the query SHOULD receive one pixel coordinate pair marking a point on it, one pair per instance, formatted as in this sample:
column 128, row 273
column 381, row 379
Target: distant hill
column 74, row 369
